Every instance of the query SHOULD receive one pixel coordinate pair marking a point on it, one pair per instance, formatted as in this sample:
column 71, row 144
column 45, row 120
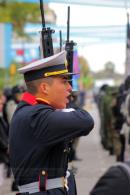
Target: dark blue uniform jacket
column 38, row 139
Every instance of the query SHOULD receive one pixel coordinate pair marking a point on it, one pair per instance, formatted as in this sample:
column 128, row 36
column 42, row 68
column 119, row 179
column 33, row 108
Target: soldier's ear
column 44, row 87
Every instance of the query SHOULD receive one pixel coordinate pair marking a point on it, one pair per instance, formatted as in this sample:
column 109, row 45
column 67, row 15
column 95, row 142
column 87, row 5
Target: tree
column 19, row 14
column 109, row 67
column 84, row 66
column 86, row 80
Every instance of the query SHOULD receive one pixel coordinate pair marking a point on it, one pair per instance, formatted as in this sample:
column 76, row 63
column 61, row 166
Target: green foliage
column 6, row 80
column 86, row 80
column 2, row 76
column 18, row 14
column 84, row 66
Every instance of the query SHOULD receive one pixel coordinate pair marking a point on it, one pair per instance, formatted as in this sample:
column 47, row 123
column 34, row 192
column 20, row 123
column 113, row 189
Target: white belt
column 50, row 184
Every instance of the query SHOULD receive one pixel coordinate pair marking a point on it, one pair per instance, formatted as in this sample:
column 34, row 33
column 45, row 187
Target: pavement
column 94, row 161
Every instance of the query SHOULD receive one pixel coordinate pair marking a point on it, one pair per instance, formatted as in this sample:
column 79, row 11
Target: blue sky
column 96, row 54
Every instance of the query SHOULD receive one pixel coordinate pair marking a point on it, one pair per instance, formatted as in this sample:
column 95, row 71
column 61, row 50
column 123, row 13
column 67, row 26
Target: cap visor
column 70, row 73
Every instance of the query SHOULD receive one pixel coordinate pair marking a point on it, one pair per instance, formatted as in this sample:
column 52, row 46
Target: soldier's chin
column 62, row 106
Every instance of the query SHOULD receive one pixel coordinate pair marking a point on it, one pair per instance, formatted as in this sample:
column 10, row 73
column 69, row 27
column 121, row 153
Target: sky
column 96, row 54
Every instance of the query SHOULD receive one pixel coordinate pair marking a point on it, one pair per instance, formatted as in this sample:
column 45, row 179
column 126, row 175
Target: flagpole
column 127, row 72
column 127, row 25
column 127, row 61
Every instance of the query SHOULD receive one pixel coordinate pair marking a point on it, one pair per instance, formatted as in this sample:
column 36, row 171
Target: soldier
column 3, row 141
column 42, row 128
column 105, row 130
column 118, row 120
column 101, row 107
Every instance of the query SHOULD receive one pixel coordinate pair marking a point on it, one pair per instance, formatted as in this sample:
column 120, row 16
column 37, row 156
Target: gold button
column 43, row 172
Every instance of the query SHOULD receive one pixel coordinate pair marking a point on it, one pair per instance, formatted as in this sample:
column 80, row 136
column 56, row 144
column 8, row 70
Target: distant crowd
column 114, row 110
column 9, row 98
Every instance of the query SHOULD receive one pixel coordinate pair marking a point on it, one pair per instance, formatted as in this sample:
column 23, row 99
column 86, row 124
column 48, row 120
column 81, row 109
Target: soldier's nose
column 69, row 87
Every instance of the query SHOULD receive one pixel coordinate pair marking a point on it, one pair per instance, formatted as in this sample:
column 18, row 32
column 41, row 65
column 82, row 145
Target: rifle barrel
column 42, row 13
column 68, row 24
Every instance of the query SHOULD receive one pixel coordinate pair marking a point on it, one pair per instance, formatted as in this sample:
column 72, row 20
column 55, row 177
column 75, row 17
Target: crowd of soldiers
column 9, row 98
column 114, row 110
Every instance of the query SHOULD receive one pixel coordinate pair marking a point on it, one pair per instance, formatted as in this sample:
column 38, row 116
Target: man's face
column 59, row 92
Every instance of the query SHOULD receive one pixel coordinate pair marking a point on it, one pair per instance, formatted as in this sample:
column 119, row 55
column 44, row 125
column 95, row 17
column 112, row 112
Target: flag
column 76, row 70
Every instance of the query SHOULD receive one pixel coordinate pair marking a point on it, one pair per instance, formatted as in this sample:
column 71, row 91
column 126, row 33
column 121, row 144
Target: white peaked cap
column 46, row 67
column 45, row 62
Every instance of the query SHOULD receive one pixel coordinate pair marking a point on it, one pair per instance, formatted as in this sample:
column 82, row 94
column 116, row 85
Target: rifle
column 69, row 47
column 46, row 36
